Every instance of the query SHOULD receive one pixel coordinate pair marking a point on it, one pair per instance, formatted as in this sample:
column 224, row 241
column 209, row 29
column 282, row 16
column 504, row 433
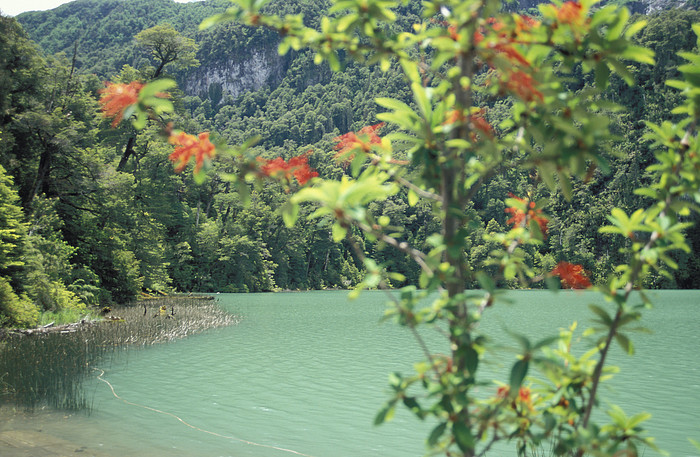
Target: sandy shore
column 34, row 443
column 20, row 439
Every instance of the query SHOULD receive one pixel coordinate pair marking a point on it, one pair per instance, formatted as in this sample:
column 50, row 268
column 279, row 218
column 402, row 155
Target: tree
column 14, row 309
column 13, row 229
column 166, row 45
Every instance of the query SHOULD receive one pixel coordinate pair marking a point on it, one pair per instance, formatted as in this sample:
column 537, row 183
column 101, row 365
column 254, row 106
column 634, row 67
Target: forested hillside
column 91, row 214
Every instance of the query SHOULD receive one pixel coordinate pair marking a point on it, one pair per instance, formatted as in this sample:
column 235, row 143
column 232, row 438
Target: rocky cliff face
column 239, row 72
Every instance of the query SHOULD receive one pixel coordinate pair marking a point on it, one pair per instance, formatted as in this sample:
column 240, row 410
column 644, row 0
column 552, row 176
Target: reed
column 49, row 367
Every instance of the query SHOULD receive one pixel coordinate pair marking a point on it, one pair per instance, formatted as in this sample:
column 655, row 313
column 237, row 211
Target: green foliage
column 15, row 310
column 12, row 226
column 306, row 107
column 104, row 30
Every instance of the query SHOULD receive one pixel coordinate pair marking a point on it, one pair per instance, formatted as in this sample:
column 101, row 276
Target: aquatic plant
column 48, row 366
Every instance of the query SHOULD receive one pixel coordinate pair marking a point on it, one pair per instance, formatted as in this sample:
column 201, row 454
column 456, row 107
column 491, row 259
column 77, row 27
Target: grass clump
column 46, row 366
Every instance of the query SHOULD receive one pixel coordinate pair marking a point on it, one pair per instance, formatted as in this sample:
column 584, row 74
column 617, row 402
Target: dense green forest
column 91, row 214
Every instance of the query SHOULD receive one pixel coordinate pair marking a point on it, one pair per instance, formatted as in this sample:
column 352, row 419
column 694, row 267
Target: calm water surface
column 306, row 372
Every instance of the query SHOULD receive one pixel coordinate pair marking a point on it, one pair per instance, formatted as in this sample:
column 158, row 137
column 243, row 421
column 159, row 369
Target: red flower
column 495, row 23
column 187, row 145
column 523, row 85
column 520, row 218
column 116, row 98
column 524, row 395
column 297, row 167
column 504, row 40
column 572, row 276
column 274, row 167
column 304, row 174
column 478, row 122
column 525, row 23
column 571, row 12
column 503, row 392
column 452, row 30
column 362, row 140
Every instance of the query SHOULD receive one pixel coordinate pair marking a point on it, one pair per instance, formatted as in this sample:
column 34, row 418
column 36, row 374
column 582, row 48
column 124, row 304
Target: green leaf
column 200, row 177
column 463, row 436
column 155, row 87
column 553, row 283
column 422, row 98
column 411, row 70
column 634, row 28
column 639, row 54
column 695, row 443
column 565, row 185
column 471, row 360
column 385, row 414
column 485, row 281
column 602, row 75
column 412, row 404
column 518, row 373
column 546, row 342
column 290, row 213
column 604, row 316
column 339, row 232
column 638, row 419
column 393, row 104
column 213, row 20
column 625, row 342
column 436, row 434
column 622, row 71
column 139, row 121
column 412, row 197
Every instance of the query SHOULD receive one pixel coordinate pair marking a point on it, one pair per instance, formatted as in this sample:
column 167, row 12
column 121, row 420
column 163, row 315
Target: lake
column 305, row 373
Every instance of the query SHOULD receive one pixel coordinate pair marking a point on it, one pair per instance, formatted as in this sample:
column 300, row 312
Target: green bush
column 14, row 310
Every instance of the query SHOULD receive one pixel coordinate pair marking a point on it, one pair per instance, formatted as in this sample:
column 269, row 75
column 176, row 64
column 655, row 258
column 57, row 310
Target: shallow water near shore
column 305, row 373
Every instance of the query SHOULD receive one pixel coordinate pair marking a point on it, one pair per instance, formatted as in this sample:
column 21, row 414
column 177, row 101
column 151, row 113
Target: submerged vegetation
column 48, row 367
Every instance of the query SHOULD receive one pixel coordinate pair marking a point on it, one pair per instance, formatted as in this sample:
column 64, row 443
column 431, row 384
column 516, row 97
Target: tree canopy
column 125, row 225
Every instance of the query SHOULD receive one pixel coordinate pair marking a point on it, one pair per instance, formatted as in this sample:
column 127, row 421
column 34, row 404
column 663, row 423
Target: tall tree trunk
column 128, row 151
column 41, row 183
column 199, row 210
column 159, row 69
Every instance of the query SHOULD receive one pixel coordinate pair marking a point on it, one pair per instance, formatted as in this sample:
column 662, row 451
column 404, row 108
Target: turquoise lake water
column 305, row 373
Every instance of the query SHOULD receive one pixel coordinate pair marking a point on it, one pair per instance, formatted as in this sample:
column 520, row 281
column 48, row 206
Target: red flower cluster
column 504, row 40
column 523, row 85
column 477, row 121
column 518, row 78
column 362, row 140
column 503, row 392
column 524, row 394
column 188, row 145
column 572, row 276
column 521, row 218
column 524, row 24
column 571, row 13
column 116, row 98
column 297, row 167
